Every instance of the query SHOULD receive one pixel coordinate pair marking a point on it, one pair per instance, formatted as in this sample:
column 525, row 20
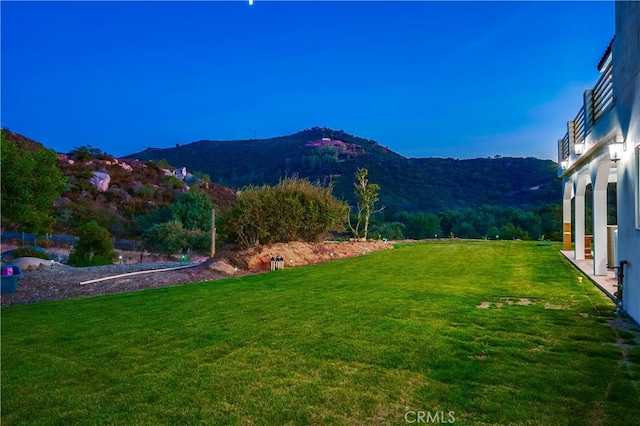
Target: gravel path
column 63, row 282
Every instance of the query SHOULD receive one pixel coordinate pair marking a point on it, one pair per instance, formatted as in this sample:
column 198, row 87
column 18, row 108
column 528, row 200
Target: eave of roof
column 606, row 54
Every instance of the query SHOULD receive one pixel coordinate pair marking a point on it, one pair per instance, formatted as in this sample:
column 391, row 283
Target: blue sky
column 426, row 79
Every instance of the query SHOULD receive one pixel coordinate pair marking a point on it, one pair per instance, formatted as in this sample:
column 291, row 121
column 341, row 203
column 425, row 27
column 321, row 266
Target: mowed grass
column 357, row 341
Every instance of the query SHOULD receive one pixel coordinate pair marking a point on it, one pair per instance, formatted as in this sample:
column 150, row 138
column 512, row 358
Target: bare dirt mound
column 298, row 253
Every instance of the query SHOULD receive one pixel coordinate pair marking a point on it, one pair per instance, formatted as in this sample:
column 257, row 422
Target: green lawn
column 357, row 341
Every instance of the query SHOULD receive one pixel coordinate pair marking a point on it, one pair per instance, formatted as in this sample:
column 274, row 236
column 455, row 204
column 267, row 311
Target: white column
column 600, row 179
column 567, row 195
column 580, row 187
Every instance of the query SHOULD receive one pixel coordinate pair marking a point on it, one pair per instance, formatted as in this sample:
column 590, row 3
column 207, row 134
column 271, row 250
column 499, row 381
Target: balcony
column 597, row 102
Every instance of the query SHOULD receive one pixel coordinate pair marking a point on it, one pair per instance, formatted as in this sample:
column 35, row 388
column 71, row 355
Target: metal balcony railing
column 603, row 93
column 564, row 147
column 579, row 127
column 597, row 102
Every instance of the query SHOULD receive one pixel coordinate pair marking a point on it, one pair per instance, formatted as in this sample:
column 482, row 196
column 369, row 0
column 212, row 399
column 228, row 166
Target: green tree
column 551, row 221
column 511, row 231
column 367, row 195
column 193, row 210
column 493, row 233
column 94, row 246
column 465, row 230
column 423, row 225
column 31, row 181
column 85, row 153
column 388, row 230
column 157, row 215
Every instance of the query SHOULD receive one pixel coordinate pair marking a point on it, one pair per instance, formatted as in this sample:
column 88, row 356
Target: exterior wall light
column 564, row 164
column 616, row 147
column 579, row 148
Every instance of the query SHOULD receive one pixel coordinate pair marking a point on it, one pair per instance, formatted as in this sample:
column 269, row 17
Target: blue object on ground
column 10, row 282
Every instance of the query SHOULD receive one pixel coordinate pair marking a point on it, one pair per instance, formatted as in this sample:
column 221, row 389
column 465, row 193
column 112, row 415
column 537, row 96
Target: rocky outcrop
column 126, row 167
column 101, row 181
column 180, row 173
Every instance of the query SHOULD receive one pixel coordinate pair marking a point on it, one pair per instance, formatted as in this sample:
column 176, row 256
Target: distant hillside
column 411, row 184
column 117, row 193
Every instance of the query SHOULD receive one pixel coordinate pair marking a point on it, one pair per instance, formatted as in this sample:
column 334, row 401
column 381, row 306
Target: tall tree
column 31, row 181
column 193, row 210
column 367, row 194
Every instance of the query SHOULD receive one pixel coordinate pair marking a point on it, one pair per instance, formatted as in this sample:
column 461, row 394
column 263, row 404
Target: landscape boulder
column 101, row 181
column 220, row 265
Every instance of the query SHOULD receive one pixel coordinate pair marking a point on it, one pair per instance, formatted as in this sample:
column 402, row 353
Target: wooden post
column 566, row 237
column 213, row 232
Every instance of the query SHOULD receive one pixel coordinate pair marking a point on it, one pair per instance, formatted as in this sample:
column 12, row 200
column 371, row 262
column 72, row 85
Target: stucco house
column 602, row 147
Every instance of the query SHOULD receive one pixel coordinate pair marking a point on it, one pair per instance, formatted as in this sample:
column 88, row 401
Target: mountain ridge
column 413, row 184
column 471, row 198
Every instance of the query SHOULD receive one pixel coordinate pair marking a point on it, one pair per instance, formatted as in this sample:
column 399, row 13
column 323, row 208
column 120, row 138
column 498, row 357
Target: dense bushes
column 293, row 210
column 488, row 222
column 172, row 237
column 188, row 228
column 94, row 246
column 30, row 182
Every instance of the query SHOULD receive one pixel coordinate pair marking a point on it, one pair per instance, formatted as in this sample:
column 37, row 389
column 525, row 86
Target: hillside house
column 602, row 146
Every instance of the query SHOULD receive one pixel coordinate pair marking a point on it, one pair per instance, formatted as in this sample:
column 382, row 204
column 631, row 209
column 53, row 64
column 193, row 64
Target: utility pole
column 213, row 232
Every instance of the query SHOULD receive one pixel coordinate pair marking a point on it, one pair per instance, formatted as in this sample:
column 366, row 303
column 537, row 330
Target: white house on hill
column 602, row 146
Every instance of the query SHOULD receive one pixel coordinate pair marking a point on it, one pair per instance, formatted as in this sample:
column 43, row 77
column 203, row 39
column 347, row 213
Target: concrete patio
column 607, row 283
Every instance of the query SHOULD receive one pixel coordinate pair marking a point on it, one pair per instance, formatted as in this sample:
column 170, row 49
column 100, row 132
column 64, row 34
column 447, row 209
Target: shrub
column 94, row 246
column 168, row 238
column 30, row 252
column 172, row 183
column 172, row 237
column 145, row 191
column 199, row 241
column 294, row 210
